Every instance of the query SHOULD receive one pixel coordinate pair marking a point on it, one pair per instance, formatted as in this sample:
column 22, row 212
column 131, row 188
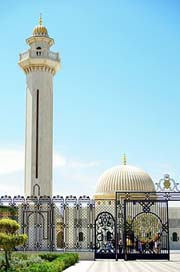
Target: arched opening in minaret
column 38, row 52
column 36, row 190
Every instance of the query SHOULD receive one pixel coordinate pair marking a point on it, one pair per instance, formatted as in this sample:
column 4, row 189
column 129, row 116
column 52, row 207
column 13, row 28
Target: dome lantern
column 40, row 30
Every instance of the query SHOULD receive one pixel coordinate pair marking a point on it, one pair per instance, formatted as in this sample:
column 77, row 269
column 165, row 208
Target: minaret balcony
column 39, row 57
column 39, row 54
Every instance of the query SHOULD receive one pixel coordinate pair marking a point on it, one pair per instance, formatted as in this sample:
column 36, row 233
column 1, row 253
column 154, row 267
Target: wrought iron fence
column 80, row 224
column 53, row 223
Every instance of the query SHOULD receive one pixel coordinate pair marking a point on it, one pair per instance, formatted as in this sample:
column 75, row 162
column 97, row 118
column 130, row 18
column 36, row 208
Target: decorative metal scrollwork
column 167, row 184
column 146, row 226
column 105, row 231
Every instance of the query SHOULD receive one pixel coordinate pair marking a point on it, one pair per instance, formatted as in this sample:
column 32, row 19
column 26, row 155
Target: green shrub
column 69, row 259
column 20, row 263
column 20, row 255
column 44, row 262
column 43, row 267
column 60, row 261
column 49, row 256
column 55, row 266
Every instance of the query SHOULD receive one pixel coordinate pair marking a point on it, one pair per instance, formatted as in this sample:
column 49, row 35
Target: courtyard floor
column 129, row 266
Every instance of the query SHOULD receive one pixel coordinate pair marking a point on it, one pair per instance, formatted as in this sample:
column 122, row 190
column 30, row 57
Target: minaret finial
column 40, row 19
column 124, row 159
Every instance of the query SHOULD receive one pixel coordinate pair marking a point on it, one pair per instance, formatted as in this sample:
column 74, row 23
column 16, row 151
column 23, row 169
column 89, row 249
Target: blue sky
column 118, row 90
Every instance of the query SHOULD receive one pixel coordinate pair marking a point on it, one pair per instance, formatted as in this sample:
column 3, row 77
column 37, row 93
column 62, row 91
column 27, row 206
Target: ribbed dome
column 123, row 178
column 40, row 30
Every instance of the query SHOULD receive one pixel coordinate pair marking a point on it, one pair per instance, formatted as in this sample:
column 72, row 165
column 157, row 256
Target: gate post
column 116, row 242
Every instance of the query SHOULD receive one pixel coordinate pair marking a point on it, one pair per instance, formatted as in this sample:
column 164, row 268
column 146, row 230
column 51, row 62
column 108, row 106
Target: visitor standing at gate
column 139, row 246
column 109, row 247
column 158, row 247
column 128, row 243
column 120, row 244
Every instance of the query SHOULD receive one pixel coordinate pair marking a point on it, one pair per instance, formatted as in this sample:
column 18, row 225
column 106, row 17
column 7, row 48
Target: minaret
column 40, row 65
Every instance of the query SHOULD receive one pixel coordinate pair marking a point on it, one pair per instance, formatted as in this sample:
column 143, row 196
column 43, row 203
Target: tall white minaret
column 40, row 65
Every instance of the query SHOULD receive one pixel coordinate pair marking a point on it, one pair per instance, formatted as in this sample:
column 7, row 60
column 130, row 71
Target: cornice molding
column 38, row 68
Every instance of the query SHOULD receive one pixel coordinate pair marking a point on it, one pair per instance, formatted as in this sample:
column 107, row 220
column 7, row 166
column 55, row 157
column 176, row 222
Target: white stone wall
column 174, row 226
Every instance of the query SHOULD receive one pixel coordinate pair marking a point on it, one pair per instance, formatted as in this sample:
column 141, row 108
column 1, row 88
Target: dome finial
column 124, row 159
column 40, row 19
column 40, row 30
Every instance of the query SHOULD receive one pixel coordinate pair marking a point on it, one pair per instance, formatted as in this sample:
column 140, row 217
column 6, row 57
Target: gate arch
column 105, row 236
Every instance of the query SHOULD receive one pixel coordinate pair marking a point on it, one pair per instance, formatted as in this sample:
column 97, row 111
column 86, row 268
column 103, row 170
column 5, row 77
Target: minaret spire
column 124, row 159
column 40, row 19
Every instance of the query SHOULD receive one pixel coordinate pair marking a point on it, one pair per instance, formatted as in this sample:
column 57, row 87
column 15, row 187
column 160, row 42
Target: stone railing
column 24, row 55
column 39, row 54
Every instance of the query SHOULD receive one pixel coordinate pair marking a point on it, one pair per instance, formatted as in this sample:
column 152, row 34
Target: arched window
column 60, row 239
column 175, row 237
column 36, row 190
column 38, row 52
column 81, row 238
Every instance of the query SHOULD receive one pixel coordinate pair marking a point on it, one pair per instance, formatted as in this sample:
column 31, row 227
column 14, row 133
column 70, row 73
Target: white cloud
column 11, row 160
column 59, row 160
column 10, row 189
column 82, row 165
column 70, row 176
column 77, row 182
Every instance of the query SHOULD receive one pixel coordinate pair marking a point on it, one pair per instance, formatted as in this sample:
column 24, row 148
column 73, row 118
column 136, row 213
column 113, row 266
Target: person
column 139, row 246
column 156, row 246
column 109, row 247
column 120, row 244
column 128, row 244
column 151, row 246
column 136, row 244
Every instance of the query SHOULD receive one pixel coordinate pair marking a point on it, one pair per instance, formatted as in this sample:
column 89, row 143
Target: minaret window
column 38, row 52
column 36, row 190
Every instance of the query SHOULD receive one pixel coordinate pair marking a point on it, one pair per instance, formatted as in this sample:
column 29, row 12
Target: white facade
column 40, row 65
column 174, row 228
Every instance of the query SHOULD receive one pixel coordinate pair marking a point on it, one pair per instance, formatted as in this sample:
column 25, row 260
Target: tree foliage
column 8, row 226
column 9, row 238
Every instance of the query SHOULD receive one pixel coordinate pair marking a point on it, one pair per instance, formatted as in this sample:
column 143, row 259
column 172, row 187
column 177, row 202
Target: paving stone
column 128, row 266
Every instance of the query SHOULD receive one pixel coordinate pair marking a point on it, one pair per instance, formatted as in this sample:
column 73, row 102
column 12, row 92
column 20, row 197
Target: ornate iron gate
column 146, row 233
column 142, row 225
column 105, row 236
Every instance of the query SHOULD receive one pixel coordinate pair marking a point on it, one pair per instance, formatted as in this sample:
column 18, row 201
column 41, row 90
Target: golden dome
column 123, row 178
column 40, row 30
